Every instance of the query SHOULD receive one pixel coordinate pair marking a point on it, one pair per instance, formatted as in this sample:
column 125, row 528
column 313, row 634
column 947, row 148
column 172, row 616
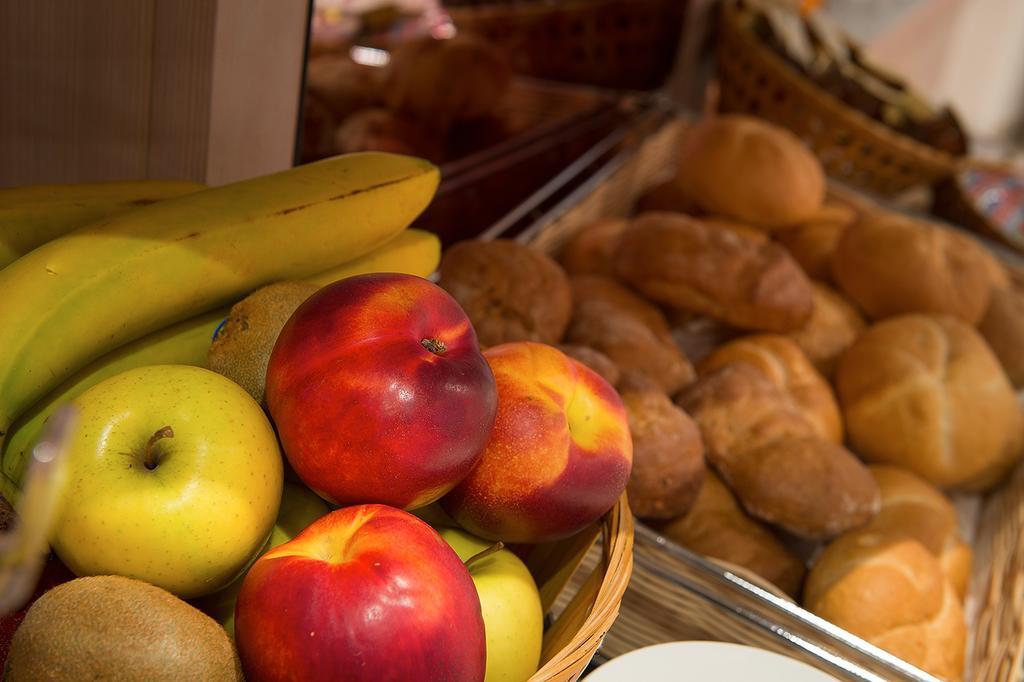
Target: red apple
column 559, row 454
column 379, row 391
column 364, row 593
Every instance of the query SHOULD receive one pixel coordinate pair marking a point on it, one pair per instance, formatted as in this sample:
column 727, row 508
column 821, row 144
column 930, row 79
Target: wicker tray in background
column 678, row 595
column 627, row 44
column 853, row 147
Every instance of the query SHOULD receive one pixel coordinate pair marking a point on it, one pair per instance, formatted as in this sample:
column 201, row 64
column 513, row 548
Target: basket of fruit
column 867, row 127
column 823, row 400
column 262, row 383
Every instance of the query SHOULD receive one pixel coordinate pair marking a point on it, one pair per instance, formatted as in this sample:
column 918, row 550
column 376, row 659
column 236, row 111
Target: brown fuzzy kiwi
column 116, row 628
column 7, row 514
column 242, row 346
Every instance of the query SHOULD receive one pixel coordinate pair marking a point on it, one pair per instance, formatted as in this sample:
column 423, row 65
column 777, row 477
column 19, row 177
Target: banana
column 71, row 300
column 414, row 252
column 31, row 216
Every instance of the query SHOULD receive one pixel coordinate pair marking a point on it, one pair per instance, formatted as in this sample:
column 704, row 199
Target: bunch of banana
column 85, row 294
column 32, row 216
column 413, row 252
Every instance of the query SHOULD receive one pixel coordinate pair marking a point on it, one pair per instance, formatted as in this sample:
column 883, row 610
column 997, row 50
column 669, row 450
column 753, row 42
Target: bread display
column 716, row 526
column 745, row 168
column 913, row 507
column 668, row 456
column 607, row 291
column 698, row 336
column 892, row 592
column 510, row 292
column 688, row 265
column 668, row 196
column 772, row 456
column 833, row 327
column 591, row 251
column 1003, row 329
column 890, row 264
column 781, row 360
column 813, row 242
column 925, row 392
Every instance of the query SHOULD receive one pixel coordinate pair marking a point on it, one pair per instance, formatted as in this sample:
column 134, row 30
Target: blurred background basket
column 583, row 597
column 676, row 594
column 853, row 147
column 627, row 44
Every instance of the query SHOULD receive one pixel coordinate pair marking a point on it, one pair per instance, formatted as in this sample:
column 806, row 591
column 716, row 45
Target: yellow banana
column 31, row 216
column 413, row 251
column 109, row 283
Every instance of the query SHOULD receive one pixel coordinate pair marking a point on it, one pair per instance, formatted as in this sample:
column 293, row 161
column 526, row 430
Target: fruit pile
column 274, row 494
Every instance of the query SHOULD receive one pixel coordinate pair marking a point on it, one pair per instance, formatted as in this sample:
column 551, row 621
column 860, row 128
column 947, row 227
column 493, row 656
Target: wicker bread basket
column 677, row 595
column 852, row 146
column 628, row 44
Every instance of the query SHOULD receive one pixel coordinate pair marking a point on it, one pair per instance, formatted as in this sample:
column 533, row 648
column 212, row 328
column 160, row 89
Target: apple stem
column 435, row 346
column 496, row 547
column 149, row 457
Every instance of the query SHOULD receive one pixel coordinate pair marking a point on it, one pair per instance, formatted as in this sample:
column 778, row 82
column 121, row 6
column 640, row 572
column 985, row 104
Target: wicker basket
column 628, row 44
column 584, row 596
column 676, row 594
column 853, row 147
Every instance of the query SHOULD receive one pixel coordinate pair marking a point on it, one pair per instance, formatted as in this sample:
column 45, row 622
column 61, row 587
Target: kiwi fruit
column 7, row 514
column 242, row 345
column 116, row 628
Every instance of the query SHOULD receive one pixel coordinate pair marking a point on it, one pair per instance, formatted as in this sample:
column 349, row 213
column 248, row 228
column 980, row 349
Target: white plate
column 716, row 661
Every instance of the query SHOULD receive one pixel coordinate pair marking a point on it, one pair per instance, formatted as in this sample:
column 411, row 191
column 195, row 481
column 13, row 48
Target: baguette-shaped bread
column 690, row 265
column 926, row 393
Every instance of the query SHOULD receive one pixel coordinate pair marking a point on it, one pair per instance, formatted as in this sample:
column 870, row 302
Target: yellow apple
column 513, row 620
column 174, row 478
column 300, row 507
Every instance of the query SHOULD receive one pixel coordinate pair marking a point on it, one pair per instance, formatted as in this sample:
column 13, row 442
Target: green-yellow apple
column 300, row 507
column 174, row 478
column 513, row 620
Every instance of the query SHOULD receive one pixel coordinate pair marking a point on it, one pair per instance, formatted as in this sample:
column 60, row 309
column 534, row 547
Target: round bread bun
column 750, row 170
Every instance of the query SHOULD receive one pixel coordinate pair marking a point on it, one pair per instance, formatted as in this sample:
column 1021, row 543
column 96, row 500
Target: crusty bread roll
column 632, row 333
column 595, row 360
column 689, row 265
column 591, row 251
column 925, row 392
column 751, row 170
column 698, row 335
column 764, row 446
column 891, row 591
column 782, row 361
column 667, row 196
column 833, row 327
column 890, row 264
column 913, row 507
column 668, row 456
column 717, row 527
column 812, row 243
column 1003, row 328
column 510, row 292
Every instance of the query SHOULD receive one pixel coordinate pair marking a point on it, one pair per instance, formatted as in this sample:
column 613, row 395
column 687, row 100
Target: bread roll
column 341, row 84
column 668, row 196
column 599, row 289
column 913, row 507
column 689, row 265
column 748, row 169
column 591, row 251
column 717, row 527
column 833, row 327
column 890, row 264
column 812, row 243
column 621, row 333
column 770, row 454
column 595, row 360
column 668, row 456
column 381, row 130
column 891, row 591
column 925, row 392
column 782, row 361
column 698, row 335
column 1003, row 328
column 509, row 291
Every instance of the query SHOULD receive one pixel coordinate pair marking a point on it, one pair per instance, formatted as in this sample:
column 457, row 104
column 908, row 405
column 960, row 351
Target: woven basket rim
column 876, row 130
column 617, row 535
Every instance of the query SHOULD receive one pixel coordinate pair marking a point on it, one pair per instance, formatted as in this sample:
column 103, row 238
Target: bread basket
column 853, row 147
column 678, row 595
column 629, row 44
